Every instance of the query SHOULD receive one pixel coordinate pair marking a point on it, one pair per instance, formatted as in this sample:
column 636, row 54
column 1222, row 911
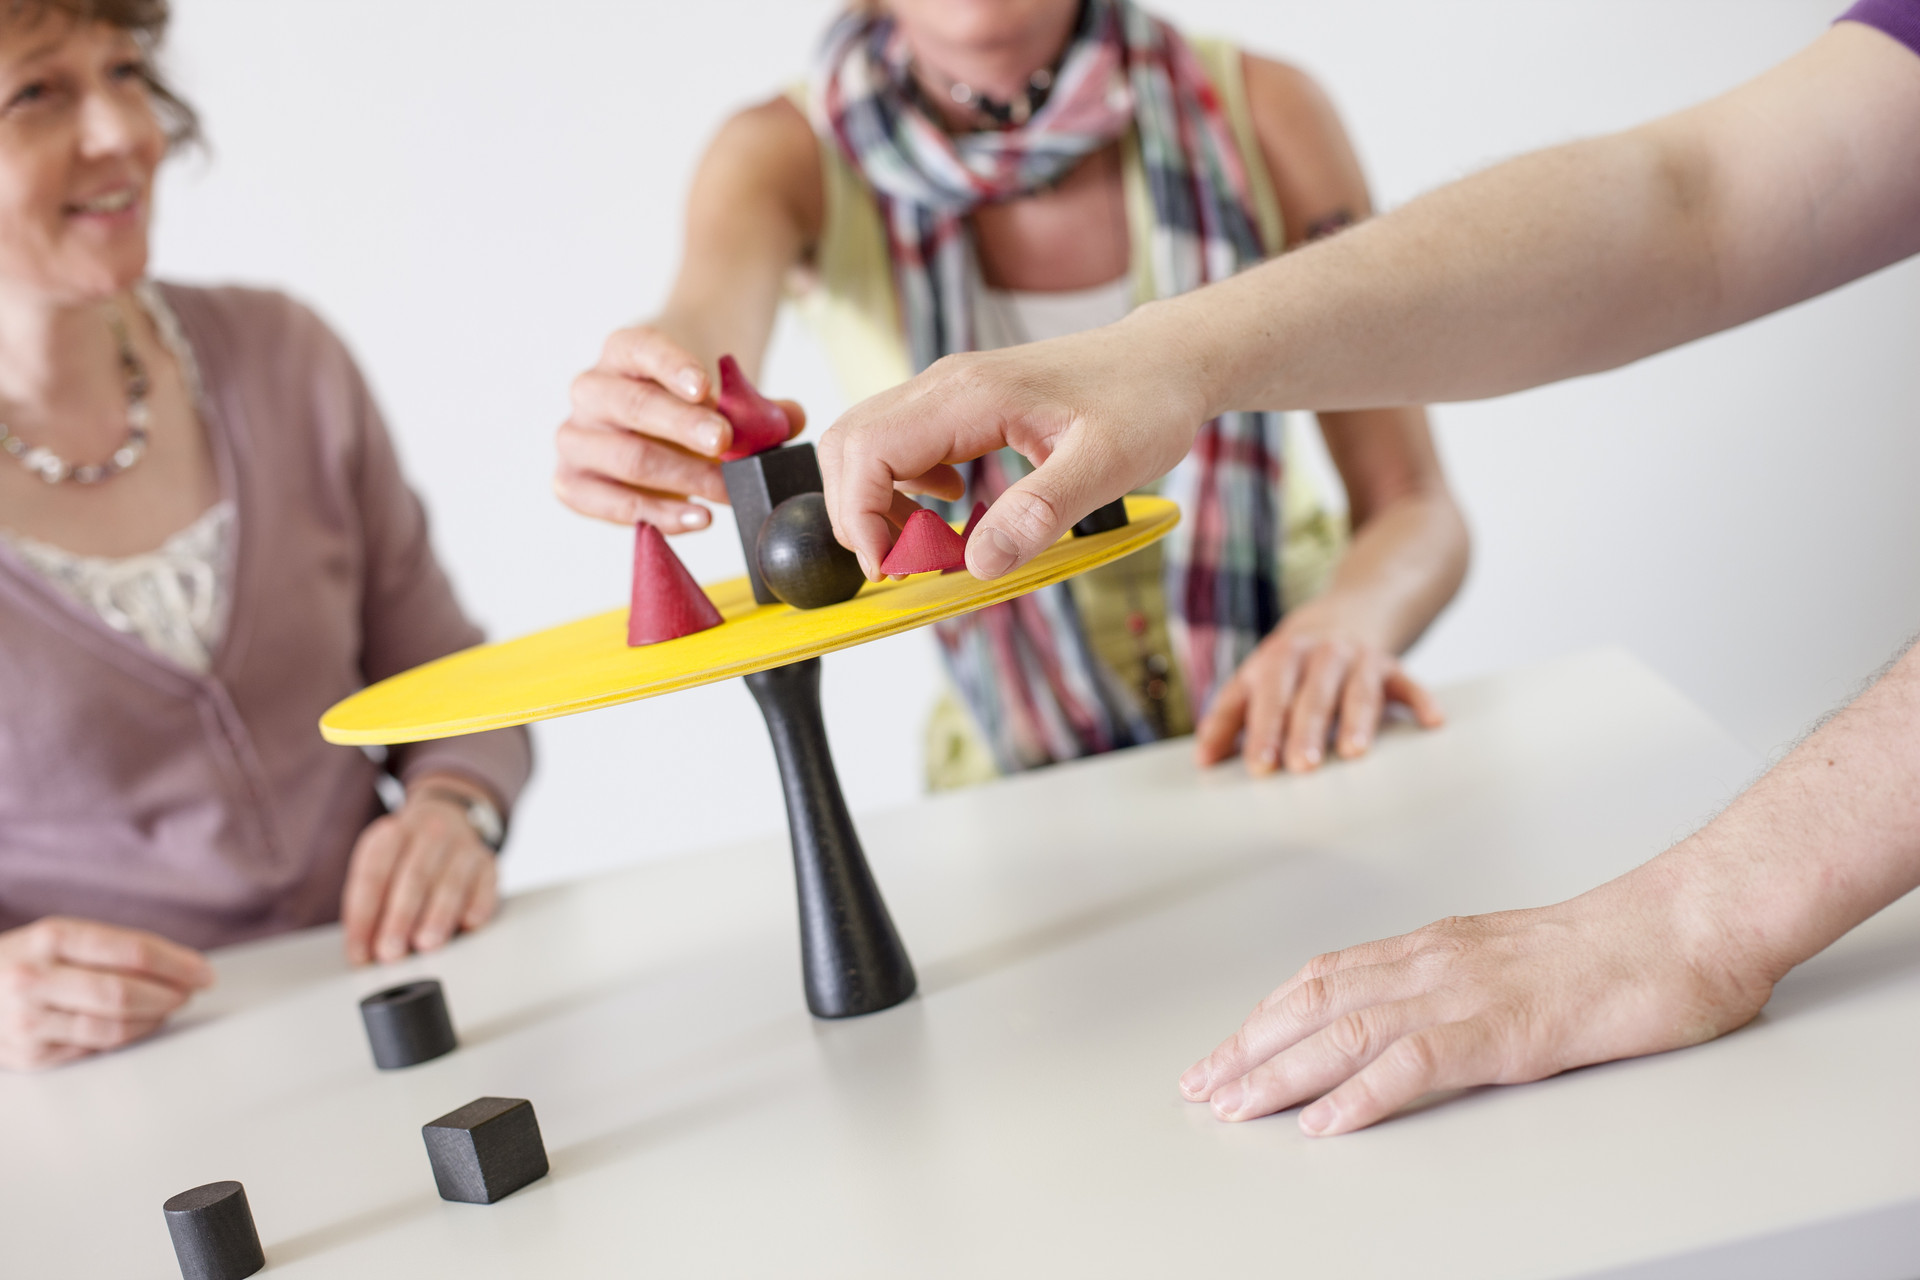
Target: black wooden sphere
column 799, row 559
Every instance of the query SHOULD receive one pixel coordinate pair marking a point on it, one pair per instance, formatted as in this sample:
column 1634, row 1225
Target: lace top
column 174, row 598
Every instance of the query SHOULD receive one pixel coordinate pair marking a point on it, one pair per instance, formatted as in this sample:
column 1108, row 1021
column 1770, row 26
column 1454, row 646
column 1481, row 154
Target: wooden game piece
column 1103, row 519
column 755, row 486
column 851, row 957
column 213, row 1233
column 799, row 559
column 966, row 535
column 408, row 1024
column 486, row 1150
column 926, row 543
column 758, row 423
column 667, row 602
column 851, row 951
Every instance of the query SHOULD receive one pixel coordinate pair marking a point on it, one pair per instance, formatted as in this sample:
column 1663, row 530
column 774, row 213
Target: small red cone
column 758, row 423
column 667, row 602
column 966, row 535
column 926, row 544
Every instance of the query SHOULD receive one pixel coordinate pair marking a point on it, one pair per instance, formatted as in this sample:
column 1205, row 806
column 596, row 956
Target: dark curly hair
column 146, row 21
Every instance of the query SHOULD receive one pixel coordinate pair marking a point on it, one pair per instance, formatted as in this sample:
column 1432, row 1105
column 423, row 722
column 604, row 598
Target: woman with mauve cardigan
column 205, row 541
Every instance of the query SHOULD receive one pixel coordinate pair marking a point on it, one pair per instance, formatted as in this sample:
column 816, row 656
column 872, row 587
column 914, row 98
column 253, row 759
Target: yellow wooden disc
column 587, row 664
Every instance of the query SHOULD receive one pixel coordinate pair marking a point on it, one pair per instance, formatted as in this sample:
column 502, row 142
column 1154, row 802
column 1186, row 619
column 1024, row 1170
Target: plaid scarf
column 1026, row 668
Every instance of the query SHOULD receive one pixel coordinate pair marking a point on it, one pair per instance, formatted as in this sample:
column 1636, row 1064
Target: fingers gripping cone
column 667, row 602
column 926, row 543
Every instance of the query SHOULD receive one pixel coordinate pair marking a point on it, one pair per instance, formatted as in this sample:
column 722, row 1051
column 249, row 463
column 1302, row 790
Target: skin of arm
column 1333, row 660
column 1565, row 262
column 1568, row 261
column 643, row 438
column 1677, row 951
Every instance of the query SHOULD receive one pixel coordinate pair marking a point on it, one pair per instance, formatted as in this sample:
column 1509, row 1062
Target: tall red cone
column 667, row 602
column 758, row 423
column 925, row 544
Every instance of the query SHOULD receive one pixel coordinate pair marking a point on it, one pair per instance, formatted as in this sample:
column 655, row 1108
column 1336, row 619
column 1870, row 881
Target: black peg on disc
column 799, row 560
column 213, row 1233
column 851, row 958
column 758, row 484
column 408, row 1024
column 1103, row 519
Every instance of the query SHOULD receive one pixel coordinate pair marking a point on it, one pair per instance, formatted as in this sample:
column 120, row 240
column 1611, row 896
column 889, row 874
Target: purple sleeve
column 1898, row 18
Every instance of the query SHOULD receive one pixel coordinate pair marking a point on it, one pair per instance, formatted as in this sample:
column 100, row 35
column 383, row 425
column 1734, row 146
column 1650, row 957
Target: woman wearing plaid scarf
column 963, row 176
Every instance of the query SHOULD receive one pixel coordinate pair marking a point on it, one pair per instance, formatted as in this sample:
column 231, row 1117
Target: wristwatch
column 482, row 816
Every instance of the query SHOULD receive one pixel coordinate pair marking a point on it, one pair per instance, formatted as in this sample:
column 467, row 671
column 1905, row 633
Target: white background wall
column 474, row 193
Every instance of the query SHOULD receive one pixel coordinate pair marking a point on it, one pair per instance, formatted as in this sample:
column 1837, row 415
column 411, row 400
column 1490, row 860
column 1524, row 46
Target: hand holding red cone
column 927, row 543
column 758, row 423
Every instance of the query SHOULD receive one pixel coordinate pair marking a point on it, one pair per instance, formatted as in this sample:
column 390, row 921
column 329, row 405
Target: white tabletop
column 1081, row 936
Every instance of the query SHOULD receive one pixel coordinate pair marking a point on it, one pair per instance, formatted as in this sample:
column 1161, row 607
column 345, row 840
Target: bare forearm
column 1402, row 567
column 1829, row 837
column 729, row 309
column 1582, row 257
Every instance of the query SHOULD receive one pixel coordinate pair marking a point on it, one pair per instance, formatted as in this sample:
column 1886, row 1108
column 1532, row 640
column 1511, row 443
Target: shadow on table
column 603, row 1149
column 1842, row 973
column 968, row 966
column 335, row 1234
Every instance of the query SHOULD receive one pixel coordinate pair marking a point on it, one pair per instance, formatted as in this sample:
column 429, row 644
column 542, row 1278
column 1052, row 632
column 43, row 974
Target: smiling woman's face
column 79, row 145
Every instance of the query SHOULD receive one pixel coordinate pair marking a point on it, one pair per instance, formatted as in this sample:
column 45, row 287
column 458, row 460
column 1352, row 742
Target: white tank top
column 1009, row 317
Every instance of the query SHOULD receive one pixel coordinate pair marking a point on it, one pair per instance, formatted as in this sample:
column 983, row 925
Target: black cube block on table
column 755, row 486
column 486, row 1150
column 213, row 1233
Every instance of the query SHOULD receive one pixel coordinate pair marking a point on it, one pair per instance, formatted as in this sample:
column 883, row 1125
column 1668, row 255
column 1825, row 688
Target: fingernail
column 1227, row 1099
column 1312, row 756
column 1195, row 1081
column 692, row 519
column 708, row 434
column 1319, row 1117
column 996, row 553
column 690, row 383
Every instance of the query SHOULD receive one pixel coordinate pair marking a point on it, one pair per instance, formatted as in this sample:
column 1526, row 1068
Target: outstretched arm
column 1680, row 950
column 1568, row 261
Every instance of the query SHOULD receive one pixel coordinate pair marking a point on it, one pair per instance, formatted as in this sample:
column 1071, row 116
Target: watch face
column 487, row 823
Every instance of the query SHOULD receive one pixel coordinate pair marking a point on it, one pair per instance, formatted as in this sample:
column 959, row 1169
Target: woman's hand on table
column 72, row 987
column 644, row 439
column 1320, row 673
column 1620, row 971
column 418, row 876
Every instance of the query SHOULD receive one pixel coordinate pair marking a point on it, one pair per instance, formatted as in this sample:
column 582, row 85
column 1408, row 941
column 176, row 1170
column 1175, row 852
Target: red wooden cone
column 966, row 535
column 758, row 423
column 667, row 602
column 926, row 544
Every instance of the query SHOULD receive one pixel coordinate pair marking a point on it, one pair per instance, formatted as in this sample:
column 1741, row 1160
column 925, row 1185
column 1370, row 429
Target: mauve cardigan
column 207, row 808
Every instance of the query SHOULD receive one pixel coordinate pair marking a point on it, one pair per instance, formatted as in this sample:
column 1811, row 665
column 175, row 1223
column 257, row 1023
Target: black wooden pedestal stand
column 850, row 955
